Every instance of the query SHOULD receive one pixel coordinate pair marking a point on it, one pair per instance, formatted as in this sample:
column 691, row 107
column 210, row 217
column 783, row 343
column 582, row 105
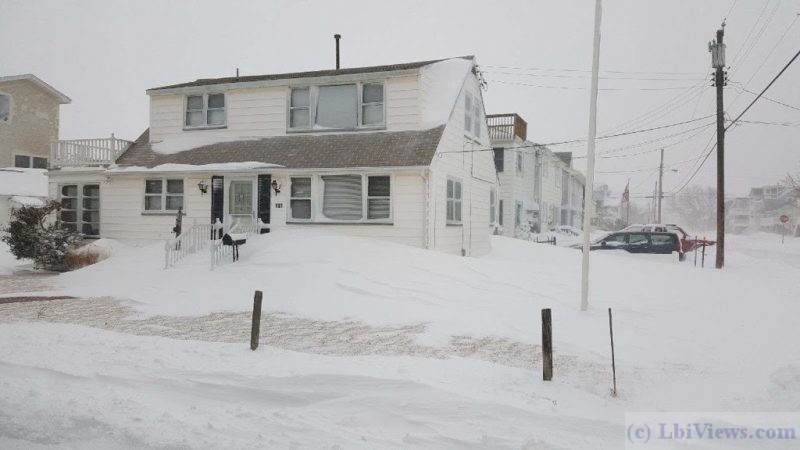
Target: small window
column 378, row 197
column 468, row 112
column 342, row 197
column 372, row 104
column 477, row 114
column 453, row 201
column 520, row 160
column 5, row 108
column 492, row 206
column 499, row 154
column 299, row 108
column 39, row 163
column 517, row 214
column 22, row 161
column 163, row 195
column 300, row 199
column 500, row 213
column 205, row 111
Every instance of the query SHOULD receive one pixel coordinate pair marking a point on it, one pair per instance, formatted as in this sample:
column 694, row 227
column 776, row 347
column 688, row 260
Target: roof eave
column 62, row 98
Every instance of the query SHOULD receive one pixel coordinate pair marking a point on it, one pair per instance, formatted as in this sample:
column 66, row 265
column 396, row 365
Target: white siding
column 477, row 172
column 262, row 112
column 514, row 188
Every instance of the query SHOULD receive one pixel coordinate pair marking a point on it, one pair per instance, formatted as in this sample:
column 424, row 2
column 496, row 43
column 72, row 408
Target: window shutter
column 342, row 198
column 217, row 199
column 264, row 185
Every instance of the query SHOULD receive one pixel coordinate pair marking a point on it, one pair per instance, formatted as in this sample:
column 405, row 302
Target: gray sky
column 105, row 53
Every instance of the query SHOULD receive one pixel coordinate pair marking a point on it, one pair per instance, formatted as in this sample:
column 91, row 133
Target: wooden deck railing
column 505, row 127
column 87, row 152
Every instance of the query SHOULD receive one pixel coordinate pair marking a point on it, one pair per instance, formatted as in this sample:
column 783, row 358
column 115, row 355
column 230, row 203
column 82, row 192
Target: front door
column 241, row 204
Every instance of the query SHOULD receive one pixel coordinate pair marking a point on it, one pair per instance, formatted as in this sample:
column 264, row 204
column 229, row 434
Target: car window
column 637, row 239
column 662, row 240
column 614, row 240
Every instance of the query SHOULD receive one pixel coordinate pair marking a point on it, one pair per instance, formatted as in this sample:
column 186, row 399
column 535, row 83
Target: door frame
column 253, row 179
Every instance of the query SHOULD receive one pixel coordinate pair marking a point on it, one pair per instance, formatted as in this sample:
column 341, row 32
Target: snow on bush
column 30, row 234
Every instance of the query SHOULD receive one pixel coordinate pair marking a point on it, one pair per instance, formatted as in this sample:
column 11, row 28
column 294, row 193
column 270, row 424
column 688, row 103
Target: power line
column 582, row 88
column 733, row 122
column 769, row 99
column 587, row 76
column 543, row 69
column 730, row 11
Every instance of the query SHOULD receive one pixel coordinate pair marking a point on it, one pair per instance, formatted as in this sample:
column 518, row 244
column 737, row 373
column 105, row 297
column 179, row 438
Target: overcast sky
column 105, row 53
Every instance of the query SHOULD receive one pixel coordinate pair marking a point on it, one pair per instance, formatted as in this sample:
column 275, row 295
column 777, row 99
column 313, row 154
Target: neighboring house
column 29, row 116
column 538, row 191
column 21, row 187
column 761, row 211
column 379, row 151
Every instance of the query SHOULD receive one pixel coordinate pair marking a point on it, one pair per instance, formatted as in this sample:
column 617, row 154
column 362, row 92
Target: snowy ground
column 367, row 344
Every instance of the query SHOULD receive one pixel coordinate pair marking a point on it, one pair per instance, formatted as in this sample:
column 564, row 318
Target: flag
column 626, row 195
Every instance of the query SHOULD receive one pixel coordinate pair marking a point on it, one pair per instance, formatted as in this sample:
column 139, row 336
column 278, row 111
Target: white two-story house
column 380, row 151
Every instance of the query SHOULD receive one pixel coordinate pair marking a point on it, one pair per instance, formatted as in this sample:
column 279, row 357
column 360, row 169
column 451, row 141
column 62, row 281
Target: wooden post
column 547, row 345
column 695, row 250
column 255, row 331
column 703, row 259
column 613, row 363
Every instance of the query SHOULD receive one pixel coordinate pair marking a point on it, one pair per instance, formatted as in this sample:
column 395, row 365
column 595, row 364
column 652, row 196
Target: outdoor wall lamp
column 276, row 187
column 203, row 186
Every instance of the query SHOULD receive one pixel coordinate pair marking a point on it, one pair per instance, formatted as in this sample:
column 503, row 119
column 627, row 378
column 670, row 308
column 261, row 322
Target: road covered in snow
column 369, row 344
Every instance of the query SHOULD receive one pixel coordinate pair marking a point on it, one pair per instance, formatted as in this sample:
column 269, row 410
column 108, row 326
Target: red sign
column 784, row 218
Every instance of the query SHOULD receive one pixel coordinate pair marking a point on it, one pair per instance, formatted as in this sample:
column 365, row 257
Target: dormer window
column 336, row 107
column 5, row 108
column 205, row 111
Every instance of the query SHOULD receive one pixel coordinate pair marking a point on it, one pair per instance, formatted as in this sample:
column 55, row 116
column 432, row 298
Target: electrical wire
column 542, row 69
column 522, row 74
column 582, row 88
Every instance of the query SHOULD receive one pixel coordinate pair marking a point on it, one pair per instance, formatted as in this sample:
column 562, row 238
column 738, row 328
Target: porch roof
column 302, row 151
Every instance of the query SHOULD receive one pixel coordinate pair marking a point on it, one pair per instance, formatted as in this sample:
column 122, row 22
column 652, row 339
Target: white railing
column 87, row 152
column 218, row 251
column 192, row 241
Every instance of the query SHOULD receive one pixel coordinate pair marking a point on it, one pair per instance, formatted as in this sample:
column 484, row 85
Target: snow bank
column 27, row 201
column 443, row 81
column 23, row 182
column 189, row 141
column 8, row 262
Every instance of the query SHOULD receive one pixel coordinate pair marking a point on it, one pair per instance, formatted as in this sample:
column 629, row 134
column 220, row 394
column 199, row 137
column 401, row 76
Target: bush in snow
column 31, row 235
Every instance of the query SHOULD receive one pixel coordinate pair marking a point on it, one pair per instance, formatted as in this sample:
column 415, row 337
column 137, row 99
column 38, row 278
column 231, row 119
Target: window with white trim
column 5, row 108
column 337, row 107
column 204, row 111
column 300, row 198
column 80, row 208
column 164, row 195
column 26, row 161
column 492, row 206
column 379, row 205
column 477, row 115
column 468, row 112
column 453, row 201
column 520, row 162
column 517, row 214
column 342, row 197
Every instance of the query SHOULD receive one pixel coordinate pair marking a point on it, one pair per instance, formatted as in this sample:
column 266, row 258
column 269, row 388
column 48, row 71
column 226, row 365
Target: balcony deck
column 87, row 152
column 506, row 127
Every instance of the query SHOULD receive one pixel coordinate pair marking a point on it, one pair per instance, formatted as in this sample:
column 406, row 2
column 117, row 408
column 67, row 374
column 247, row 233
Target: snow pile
column 23, row 182
column 217, row 167
column 27, row 201
column 189, row 141
column 442, row 82
column 8, row 262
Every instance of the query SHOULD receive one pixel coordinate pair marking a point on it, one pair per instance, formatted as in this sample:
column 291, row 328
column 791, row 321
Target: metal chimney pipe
column 337, row 37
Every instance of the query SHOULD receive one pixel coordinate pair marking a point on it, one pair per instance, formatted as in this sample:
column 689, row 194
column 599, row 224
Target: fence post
column 547, row 345
column 255, row 331
column 695, row 250
column 703, row 260
column 613, row 363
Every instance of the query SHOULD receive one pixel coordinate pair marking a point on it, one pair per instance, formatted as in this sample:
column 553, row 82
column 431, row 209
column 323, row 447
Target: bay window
column 336, row 107
column 206, row 110
column 163, row 195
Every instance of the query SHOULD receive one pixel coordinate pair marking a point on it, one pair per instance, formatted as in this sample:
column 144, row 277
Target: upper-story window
column 520, row 162
column 472, row 115
column 36, row 162
column 5, row 108
column 203, row 111
column 337, row 107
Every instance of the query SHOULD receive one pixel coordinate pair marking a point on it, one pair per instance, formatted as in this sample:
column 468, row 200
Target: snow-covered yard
column 368, row 344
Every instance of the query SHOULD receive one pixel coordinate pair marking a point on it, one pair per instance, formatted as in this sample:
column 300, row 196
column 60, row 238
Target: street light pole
column 588, row 204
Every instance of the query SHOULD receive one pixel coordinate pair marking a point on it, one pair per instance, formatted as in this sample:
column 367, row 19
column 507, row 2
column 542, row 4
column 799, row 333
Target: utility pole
column 660, row 185
column 588, row 203
column 717, row 49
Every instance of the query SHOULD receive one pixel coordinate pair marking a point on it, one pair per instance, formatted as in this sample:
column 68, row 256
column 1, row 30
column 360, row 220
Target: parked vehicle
column 688, row 243
column 657, row 242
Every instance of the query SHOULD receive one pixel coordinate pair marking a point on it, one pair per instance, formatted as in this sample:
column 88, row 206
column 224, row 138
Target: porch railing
column 505, row 127
column 87, row 152
column 192, row 241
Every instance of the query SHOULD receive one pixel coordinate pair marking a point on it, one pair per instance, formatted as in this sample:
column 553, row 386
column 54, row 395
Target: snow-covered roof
column 23, row 182
column 62, row 98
